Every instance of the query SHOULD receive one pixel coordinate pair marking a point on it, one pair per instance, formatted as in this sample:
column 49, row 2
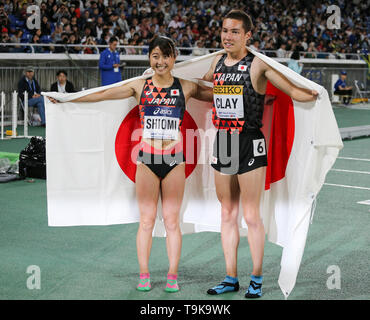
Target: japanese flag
column 175, row 92
column 91, row 177
column 242, row 67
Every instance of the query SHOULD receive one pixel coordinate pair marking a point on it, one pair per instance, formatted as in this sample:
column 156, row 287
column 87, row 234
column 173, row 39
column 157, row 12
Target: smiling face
column 160, row 62
column 233, row 36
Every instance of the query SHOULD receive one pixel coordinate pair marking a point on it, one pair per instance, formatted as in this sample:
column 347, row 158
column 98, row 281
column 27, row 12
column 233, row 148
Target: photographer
column 64, row 40
column 60, row 13
column 92, row 49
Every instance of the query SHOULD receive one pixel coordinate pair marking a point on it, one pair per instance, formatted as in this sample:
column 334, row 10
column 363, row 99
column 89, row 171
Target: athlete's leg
column 227, row 190
column 172, row 192
column 147, row 193
column 251, row 185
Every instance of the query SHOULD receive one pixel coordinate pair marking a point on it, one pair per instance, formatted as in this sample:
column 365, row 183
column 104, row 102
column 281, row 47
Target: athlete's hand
column 53, row 100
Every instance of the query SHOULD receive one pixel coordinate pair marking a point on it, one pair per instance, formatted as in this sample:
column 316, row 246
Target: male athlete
column 239, row 154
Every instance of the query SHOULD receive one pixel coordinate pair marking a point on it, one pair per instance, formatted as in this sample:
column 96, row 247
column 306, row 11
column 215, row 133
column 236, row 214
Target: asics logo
column 162, row 111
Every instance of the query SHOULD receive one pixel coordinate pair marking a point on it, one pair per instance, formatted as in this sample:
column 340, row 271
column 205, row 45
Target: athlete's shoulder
column 184, row 82
column 260, row 64
column 139, row 81
column 216, row 59
column 209, row 75
column 137, row 84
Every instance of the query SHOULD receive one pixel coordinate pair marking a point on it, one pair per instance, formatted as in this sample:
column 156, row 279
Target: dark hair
column 295, row 55
column 241, row 16
column 112, row 39
column 166, row 45
column 61, row 71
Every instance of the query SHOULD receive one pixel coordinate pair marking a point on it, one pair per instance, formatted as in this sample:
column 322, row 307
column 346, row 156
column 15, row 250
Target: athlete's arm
column 121, row 92
column 282, row 83
column 203, row 93
column 125, row 91
column 196, row 91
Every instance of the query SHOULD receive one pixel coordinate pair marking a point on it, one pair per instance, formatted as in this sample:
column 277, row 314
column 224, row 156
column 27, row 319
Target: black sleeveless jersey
column 161, row 110
column 236, row 105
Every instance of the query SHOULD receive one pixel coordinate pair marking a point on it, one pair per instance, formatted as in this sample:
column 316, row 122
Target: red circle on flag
column 128, row 138
column 281, row 135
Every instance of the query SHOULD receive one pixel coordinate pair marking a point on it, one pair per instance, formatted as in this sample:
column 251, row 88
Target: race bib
column 228, row 101
column 259, row 148
column 161, row 123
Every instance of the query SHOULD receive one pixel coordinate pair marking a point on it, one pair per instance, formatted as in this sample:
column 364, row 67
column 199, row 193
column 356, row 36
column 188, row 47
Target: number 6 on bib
column 259, row 148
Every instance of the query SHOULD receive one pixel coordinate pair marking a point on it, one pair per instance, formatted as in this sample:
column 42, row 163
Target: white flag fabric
column 90, row 180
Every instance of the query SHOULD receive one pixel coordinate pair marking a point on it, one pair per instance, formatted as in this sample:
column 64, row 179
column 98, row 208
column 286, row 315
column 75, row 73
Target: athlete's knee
column 229, row 213
column 252, row 216
column 147, row 219
column 171, row 225
column 147, row 224
column 171, row 221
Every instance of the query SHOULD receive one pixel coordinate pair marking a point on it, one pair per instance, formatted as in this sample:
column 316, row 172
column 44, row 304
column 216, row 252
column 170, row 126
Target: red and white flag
column 175, row 92
column 242, row 67
column 90, row 173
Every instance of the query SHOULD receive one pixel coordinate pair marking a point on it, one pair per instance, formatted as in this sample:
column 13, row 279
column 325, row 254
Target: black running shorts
column 239, row 153
column 160, row 164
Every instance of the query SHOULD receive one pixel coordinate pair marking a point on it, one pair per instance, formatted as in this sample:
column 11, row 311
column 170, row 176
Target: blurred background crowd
column 283, row 26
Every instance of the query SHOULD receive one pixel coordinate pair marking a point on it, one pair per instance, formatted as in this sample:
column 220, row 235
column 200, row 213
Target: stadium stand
column 294, row 24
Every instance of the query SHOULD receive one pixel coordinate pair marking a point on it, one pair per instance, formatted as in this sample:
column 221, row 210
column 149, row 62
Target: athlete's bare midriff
column 161, row 144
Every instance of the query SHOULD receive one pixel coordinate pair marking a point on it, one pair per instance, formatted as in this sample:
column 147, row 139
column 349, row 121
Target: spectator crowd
column 283, row 26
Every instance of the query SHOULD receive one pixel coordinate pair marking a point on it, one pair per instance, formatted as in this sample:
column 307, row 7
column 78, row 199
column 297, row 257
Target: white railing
column 14, row 116
column 2, row 114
